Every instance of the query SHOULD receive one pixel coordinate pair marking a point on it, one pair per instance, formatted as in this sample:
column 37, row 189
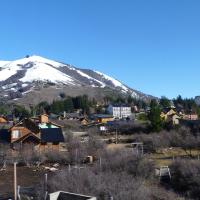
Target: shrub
column 186, row 178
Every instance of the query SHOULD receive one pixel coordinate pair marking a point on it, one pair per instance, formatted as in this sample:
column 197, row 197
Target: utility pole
column 116, row 137
column 100, row 163
column 15, row 181
column 45, row 186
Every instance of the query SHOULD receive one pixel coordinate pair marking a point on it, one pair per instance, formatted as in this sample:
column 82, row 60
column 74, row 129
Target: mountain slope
column 20, row 77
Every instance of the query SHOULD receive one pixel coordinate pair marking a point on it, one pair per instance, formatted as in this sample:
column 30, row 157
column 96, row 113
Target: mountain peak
column 22, row 74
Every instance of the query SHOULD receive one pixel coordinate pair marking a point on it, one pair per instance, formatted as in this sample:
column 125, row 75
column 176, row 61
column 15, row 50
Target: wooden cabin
column 46, row 137
column 102, row 118
column 3, row 120
column 84, row 121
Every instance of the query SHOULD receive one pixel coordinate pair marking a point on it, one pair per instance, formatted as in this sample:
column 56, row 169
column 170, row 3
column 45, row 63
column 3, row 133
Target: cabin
column 39, row 132
column 167, row 112
column 3, row 120
column 190, row 117
column 50, row 139
column 102, row 118
column 174, row 119
column 84, row 121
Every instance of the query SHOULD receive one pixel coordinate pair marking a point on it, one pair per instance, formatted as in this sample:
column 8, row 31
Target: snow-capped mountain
column 24, row 75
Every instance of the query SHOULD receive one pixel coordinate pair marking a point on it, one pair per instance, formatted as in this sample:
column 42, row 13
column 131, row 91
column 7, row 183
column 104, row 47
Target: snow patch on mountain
column 114, row 81
column 2, row 63
column 8, row 70
column 89, row 77
column 25, row 74
column 44, row 72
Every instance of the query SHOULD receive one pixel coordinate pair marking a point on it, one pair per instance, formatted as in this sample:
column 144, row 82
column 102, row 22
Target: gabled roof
column 102, row 116
column 166, row 110
column 28, row 136
column 29, row 124
column 58, row 125
column 119, row 105
column 3, row 117
column 52, row 135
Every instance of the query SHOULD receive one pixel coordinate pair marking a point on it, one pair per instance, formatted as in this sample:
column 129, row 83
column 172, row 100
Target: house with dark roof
column 50, row 138
column 40, row 132
column 4, row 136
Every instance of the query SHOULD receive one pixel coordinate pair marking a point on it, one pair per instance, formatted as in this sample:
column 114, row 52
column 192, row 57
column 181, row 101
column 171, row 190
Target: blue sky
column 150, row 45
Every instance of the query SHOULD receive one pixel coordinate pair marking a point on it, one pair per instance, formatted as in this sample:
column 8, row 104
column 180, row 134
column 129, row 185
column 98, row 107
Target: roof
column 69, row 196
column 3, row 117
column 166, row 110
column 28, row 137
column 52, row 135
column 53, row 116
column 4, row 136
column 102, row 116
column 119, row 105
column 73, row 115
column 29, row 124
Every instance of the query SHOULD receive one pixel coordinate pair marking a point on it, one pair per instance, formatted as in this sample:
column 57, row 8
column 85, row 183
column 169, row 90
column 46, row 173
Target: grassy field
column 165, row 157
column 162, row 157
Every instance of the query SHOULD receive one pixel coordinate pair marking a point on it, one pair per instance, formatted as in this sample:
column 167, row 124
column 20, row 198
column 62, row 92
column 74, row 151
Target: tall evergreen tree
column 154, row 116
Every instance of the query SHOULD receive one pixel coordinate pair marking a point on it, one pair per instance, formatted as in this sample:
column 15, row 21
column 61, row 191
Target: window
column 15, row 134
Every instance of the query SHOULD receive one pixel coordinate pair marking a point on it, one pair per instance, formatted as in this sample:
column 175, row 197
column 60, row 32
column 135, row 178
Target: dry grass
column 166, row 156
column 116, row 146
column 25, row 177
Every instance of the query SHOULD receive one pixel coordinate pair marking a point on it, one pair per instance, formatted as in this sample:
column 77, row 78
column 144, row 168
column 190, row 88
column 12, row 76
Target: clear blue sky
column 151, row 45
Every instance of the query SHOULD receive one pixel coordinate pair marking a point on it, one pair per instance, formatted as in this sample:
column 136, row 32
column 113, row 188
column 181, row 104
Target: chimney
column 44, row 118
column 64, row 114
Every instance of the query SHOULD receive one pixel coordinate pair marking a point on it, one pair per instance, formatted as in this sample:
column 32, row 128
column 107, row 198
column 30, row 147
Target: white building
column 119, row 111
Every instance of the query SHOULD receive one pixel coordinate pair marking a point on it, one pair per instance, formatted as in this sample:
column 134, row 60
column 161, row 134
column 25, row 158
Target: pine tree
column 154, row 116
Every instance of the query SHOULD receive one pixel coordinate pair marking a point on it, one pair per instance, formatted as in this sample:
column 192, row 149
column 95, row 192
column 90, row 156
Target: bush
column 59, row 157
column 186, row 178
column 107, row 184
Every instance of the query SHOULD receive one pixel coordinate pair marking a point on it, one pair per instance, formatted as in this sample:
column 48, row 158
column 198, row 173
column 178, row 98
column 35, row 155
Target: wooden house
column 3, row 120
column 170, row 115
column 103, row 118
column 84, row 121
column 167, row 112
column 40, row 132
column 190, row 117
column 174, row 119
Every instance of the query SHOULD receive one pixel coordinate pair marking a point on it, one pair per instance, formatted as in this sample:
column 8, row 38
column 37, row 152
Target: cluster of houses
column 47, row 135
column 38, row 131
column 113, row 112
column 175, row 116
